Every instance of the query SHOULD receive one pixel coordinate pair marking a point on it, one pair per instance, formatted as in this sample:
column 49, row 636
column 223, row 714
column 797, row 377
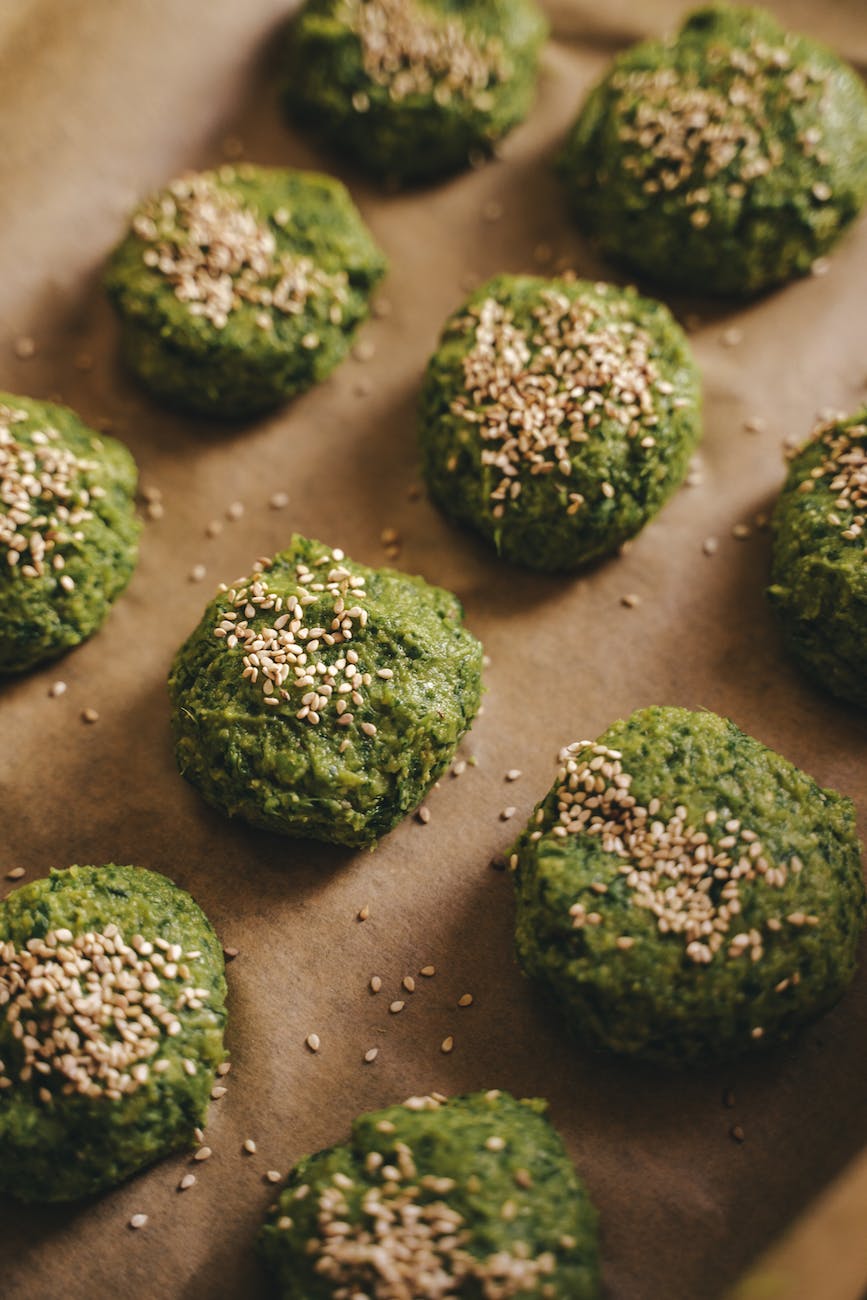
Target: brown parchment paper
column 99, row 102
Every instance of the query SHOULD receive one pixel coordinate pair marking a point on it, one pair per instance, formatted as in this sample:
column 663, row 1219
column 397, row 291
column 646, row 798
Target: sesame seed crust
column 412, row 89
column 111, row 1026
column 401, row 1213
column 68, row 532
column 358, row 682
column 679, row 857
column 557, row 416
column 705, row 139
column 819, row 563
column 239, row 287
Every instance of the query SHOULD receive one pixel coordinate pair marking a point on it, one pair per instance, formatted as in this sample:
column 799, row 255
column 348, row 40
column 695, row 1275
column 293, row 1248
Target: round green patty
column 238, row 288
column 68, row 530
column 686, row 894
column 410, row 89
column 557, row 416
column 321, row 698
column 473, row 1196
column 819, row 570
column 725, row 160
column 117, row 978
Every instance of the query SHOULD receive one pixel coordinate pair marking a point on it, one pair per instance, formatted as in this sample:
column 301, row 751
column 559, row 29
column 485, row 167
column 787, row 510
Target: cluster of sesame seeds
column 410, row 50
column 689, row 881
column 409, row 1241
column 286, row 656
column 845, row 468
column 217, row 254
column 532, row 397
column 89, row 1012
column 681, row 134
column 43, row 501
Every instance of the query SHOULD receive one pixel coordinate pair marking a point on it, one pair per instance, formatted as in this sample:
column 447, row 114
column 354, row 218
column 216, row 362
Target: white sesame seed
column 249, row 1148
column 273, row 1176
column 197, row 573
column 138, row 1221
column 57, row 689
column 279, row 500
column 203, row 1153
column 16, row 873
column 235, row 511
column 375, row 983
column 188, row 1181
column 370, row 1055
column 396, row 1007
column 89, row 715
column 710, row 546
column 423, row 815
column 313, row 1042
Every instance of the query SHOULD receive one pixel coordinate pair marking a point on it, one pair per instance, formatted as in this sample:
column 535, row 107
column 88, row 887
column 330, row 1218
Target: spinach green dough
column 238, row 288
column 819, row 570
column 68, row 530
column 412, row 89
column 116, row 977
column 724, row 160
column 557, row 416
column 321, row 698
column 685, row 894
column 437, row 1198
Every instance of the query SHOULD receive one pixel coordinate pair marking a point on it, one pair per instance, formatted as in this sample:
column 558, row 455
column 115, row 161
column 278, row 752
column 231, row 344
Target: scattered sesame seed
column 465, row 1000
column 710, row 546
column 428, row 971
column 755, row 424
column 218, row 1091
column 381, row 307
column 278, row 500
column 249, row 1148
column 423, row 815
column 198, row 573
column 448, row 1044
column 57, row 689
column 188, row 1181
column 396, row 1007
column 741, row 532
column 514, row 774
column 375, row 983
column 231, row 953
column 821, row 266
column 273, row 1176
column 458, row 767
column 408, row 983
column 731, row 337
column 495, row 1143
column 736, row 1133
column 16, row 873
column 313, row 1042
column 138, row 1221
column 631, row 601
column 214, row 528
column 822, row 191
column 224, row 1068
column 235, row 511
column 508, row 813
column 364, row 350
column 370, row 1055
column 203, row 1153
column 24, row 347
column 89, row 715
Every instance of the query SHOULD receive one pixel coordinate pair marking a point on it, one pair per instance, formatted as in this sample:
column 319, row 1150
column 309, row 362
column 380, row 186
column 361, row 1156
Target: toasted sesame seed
column 631, row 601
column 375, row 983
column 448, row 1044
column 230, row 953
column 741, row 532
column 214, row 528
column 313, row 1042
column 203, row 1153
column 138, row 1221
column 755, row 424
column 821, row 266
column 363, row 913
column 89, row 715
column 465, row 1000
column 16, row 873
column 732, row 336
column 370, row 1055
column 273, row 1176
column 155, row 510
column 428, row 971
column 278, row 500
column 218, row 1091
column 408, row 983
column 249, row 1148
column 224, row 1068
column 396, row 1006
column 737, row 1133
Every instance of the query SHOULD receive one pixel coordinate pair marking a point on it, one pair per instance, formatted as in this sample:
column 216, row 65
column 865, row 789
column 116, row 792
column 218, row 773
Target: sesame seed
column 313, row 1042
column 737, row 1133
column 370, row 1055
column 89, row 715
column 278, row 500
column 423, row 815
column 465, row 1000
column 188, row 1181
column 24, row 347
column 631, row 601
column 249, row 1148
column 447, row 1045
column 731, row 337
column 230, row 953
column 138, row 1221
column 821, row 266
column 514, row 774
column 396, row 1007
column 197, row 573
column 235, row 511
column 364, row 350
column 273, row 1176
column 375, row 983
column 822, row 191
column 214, row 528
column 408, row 983
column 508, row 813
column 710, row 546
column 203, row 1153
column 218, row 1091
column 363, row 913
column 755, row 424
column 495, row 1143
column 428, row 971
column 57, row 689
column 381, row 307
column 155, row 510
column 16, row 873
column 741, row 531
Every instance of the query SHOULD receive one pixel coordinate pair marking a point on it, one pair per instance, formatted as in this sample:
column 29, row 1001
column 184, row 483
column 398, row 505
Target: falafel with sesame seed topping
column 410, row 90
column 238, row 288
column 112, row 1010
column 724, row 160
column 819, row 565
column 68, row 530
column 471, row 1196
column 685, row 894
column 557, row 416
column 283, row 715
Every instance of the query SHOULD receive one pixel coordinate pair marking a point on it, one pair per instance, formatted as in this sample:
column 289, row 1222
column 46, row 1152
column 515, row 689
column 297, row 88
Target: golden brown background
column 99, row 102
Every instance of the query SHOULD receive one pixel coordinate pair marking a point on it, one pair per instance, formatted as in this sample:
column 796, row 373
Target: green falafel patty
column 819, row 568
column 724, row 160
column 473, row 1196
column 111, row 1028
column 411, row 89
column 68, row 530
column 557, row 417
column 240, row 287
column 685, row 894
column 322, row 698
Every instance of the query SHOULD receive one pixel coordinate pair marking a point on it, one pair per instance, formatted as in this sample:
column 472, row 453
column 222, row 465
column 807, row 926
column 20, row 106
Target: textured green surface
column 416, row 138
column 241, row 369
column 535, row 530
column 40, row 619
column 449, row 1142
column 777, row 227
column 820, row 577
column 74, row 1146
column 277, row 771
column 651, row 1001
